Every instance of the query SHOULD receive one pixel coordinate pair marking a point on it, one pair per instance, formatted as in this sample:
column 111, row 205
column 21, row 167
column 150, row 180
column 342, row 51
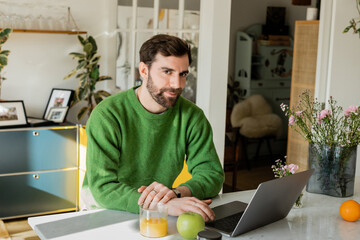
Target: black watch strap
column 177, row 192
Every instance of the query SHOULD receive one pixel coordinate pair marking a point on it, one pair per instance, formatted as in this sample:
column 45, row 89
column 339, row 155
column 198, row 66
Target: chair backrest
column 254, row 105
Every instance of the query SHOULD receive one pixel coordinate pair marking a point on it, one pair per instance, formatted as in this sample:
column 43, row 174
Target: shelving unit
column 47, row 31
column 265, row 69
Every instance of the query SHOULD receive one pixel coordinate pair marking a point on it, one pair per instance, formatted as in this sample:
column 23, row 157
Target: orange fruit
column 350, row 210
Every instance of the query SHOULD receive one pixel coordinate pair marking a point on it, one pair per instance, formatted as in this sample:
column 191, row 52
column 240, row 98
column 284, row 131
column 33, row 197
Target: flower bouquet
column 281, row 170
column 333, row 136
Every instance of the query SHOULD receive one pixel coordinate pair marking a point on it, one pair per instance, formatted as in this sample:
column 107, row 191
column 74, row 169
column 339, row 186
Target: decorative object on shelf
column 88, row 74
column 12, row 114
column 58, row 98
column 282, row 170
column 354, row 22
column 36, row 17
column 4, row 36
column 57, row 114
column 333, row 136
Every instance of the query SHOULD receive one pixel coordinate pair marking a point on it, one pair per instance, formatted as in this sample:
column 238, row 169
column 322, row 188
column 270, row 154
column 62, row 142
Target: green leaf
column 103, row 93
column 72, row 73
column 103, row 78
column 82, row 40
column 5, row 52
column 95, row 73
column 4, row 35
column 88, row 48
column 3, row 60
column 83, row 93
column 95, row 59
column 97, row 98
column 82, row 63
column 82, row 112
column 83, row 81
column 93, row 43
column 77, row 55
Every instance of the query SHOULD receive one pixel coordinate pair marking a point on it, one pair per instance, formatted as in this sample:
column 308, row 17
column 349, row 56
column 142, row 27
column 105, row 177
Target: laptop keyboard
column 226, row 224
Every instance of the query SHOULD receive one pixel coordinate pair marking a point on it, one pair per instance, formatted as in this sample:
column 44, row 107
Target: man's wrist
column 177, row 192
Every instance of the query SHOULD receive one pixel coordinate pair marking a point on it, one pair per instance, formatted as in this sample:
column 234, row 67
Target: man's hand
column 154, row 193
column 178, row 206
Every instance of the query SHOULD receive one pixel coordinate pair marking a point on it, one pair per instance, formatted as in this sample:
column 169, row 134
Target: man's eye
column 167, row 72
column 184, row 74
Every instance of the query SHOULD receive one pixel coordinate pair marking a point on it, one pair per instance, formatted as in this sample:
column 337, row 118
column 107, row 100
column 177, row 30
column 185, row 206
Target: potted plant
column 333, row 136
column 87, row 71
column 4, row 36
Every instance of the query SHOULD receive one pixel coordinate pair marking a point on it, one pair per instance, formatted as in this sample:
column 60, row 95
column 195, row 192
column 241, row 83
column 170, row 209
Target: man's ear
column 143, row 70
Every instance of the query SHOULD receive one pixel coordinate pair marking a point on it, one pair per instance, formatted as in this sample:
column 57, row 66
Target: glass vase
column 334, row 167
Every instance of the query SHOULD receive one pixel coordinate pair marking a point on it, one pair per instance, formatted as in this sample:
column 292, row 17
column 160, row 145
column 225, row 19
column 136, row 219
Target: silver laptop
column 271, row 202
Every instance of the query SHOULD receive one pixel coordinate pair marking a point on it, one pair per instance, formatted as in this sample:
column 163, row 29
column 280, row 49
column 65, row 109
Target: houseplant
column 333, row 136
column 4, row 36
column 87, row 71
column 354, row 22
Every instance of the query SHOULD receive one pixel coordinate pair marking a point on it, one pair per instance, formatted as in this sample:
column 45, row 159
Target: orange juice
column 153, row 227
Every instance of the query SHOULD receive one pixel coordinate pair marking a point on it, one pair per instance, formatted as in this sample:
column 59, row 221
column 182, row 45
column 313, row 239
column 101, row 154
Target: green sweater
column 128, row 147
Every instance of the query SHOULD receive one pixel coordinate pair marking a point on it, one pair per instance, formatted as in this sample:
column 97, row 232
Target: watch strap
column 177, row 192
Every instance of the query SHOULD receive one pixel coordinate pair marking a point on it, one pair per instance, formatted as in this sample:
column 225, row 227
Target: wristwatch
column 177, row 192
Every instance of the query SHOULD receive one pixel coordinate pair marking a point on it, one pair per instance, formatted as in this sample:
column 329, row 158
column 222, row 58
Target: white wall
column 342, row 77
column 245, row 13
column 38, row 62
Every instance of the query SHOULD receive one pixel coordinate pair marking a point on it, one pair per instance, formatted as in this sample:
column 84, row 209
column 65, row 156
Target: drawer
column 37, row 150
column 30, row 194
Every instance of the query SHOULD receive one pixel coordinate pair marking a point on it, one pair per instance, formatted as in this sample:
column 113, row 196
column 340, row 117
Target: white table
column 318, row 219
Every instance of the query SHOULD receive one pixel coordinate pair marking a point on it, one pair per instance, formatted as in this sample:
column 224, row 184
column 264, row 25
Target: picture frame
column 58, row 98
column 12, row 114
column 57, row 114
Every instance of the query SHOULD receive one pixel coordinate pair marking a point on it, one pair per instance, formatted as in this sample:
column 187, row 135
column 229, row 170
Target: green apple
column 189, row 224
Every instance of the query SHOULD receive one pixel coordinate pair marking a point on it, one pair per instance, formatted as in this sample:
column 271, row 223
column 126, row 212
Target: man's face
column 167, row 78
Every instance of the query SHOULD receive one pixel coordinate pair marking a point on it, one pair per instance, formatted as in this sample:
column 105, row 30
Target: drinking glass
column 153, row 220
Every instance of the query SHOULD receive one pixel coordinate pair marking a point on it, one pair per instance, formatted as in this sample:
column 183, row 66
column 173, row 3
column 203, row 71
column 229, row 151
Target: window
column 138, row 20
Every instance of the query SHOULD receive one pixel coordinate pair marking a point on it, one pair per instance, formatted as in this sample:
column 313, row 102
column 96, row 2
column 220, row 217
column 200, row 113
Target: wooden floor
column 17, row 229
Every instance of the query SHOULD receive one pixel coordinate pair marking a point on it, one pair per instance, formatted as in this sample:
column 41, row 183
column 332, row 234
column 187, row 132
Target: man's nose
column 175, row 82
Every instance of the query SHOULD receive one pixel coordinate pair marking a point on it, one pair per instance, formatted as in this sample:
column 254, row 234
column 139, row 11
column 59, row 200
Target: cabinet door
column 37, row 149
column 29, row 194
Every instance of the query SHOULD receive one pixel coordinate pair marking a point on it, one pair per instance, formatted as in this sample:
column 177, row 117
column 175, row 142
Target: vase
column 334, row 170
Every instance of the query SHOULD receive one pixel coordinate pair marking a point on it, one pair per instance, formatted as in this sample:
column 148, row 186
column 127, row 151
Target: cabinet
column 263, row 67
column 38, row 170
column 303, row 78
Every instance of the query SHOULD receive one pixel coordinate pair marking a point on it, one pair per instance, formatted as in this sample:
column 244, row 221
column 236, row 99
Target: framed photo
column 57, row 114
column 12, row 114
column 58, row 98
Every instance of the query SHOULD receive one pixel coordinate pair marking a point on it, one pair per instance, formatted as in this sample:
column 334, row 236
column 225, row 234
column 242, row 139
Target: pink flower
column 298, row 113
column 291, row 120
column 293, row 168
column 351, row 109
column 324, row 113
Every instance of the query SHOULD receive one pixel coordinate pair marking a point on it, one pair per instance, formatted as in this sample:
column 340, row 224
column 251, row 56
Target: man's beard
column 158, row 94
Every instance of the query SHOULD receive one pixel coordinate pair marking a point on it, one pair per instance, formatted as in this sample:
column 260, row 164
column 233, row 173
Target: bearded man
column 137, row 140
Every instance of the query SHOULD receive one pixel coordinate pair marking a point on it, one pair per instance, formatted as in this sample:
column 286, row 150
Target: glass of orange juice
column 153, row 220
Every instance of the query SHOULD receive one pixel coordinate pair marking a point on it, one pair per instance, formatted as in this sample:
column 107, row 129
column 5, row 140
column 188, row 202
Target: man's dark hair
column 166, row 45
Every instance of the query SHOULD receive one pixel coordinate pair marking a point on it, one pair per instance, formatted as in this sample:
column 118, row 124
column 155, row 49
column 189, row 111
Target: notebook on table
column 271, row 202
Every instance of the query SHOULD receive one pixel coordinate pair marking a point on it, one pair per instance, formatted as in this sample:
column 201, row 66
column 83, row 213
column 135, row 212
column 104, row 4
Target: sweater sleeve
column 203, row 162
column 102, row 162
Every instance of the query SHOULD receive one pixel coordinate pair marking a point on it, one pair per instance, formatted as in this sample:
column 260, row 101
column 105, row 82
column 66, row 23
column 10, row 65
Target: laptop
column 271, row 202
